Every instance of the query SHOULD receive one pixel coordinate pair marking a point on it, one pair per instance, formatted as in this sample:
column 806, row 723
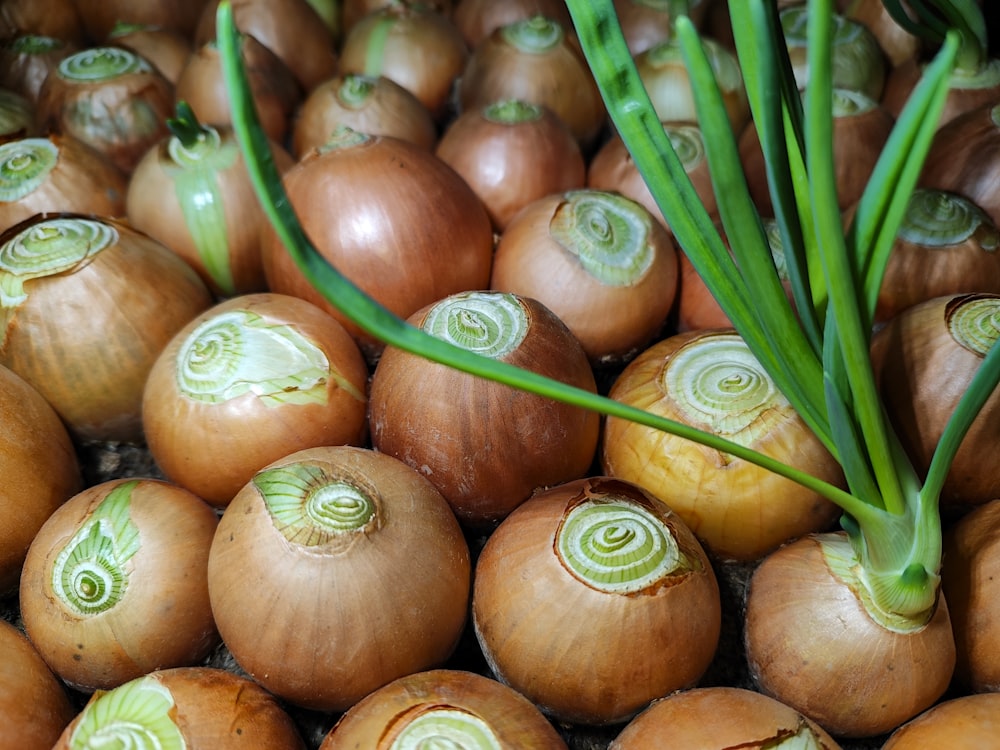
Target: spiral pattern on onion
column 492, row 324
column 446, row 728
column 133, row 716
column 975, row 323
column 101, row 63
column 25, row 164
column 938, row 218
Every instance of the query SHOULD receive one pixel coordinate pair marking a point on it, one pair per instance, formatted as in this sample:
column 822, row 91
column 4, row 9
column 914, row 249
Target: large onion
column 592, row 599
column 969, row 722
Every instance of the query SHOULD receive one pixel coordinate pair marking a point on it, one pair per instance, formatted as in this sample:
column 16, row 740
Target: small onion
column 353, row 552
column 34, row 704
column 26, row 61
column 597, row 260
column 593, row 599
column 484, row 445
column 101, row 16
column 167, row 50
column 710, row 380
column 88, row 304
column 969, row 722
column 512, row 153
column 115, row 584
column 477, row 19
column 447, row 709
column 183, row 708
column 247, row 382
column 710, row 718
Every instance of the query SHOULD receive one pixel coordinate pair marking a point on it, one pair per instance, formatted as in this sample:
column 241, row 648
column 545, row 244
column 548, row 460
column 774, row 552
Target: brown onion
column 88, row 305
column 454, row 708
column 969, row 722
column 593, row 599
column 247, row 382
column 408, row 230
column 898, row 44
column 484, row 445
column 477, row 19
column 646, row 23
column 26, row 61
column 167, row 50
column 599, row 261
column 115, row 584
column 968, row 89
column 353, row 11
column 815, row 643
column 34, row 704
column 55, row 18
column 100, row 16
column 512, row 153
column 197, row 708
column 354, row 553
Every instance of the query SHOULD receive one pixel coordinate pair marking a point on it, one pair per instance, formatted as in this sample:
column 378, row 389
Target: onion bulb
column 115, row 583
column 17, row 117
column 899, row 44
column 26, row 61
column 167, row 50
column 55, row 18
column 183, row 708
column 593, row 599
column 101, row 16
column 444, row 708
column 597, row 260
column 646, row 23
column 477, row 19
column 969, row 722
column 356, row 554
column 484, row 445
column 710, row 380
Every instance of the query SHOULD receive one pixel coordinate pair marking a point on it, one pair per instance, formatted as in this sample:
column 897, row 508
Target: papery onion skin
column 585, row 652
column 709, row 380
column 812, row 645
column 115, row 583
column 969, row 722
column 40, row 469
column 34, row 704
column 485, row 445
column 245, row 383
column 375, row 722
column 198, row 708
column 709, row 718
column 380, row 599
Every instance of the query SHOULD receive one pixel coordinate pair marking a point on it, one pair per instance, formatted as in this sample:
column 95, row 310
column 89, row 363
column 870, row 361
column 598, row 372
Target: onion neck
column 492, row 324
column 355, row 91
column 137, row 715
column 442, row 726
column 938, row 218
column 343, row 137
column 536, row 35
column 34, row 44
column 512, row 112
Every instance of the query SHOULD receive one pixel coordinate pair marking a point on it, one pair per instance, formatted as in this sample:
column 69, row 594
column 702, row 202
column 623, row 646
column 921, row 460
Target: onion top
column 136, row 715
column 101, row 64
column 488, row 323
column 24, row 166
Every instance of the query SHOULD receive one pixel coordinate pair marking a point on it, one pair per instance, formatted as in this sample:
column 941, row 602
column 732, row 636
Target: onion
column 646, row 23
column 597, row 260
column 356, row 554
column 40, row 470
column 192, row 192
column 100, row 16
column 477, row 19
column 57, row 173
column 968, row 722
column 196, row 708
column 109, row 98
column 709, row 718
column 408, row 230
column 969, row 579
column 535, row 60
column 247, row 382
column 55, row 18
column 898, row 44
column 443, row 708
column 418, row 47
column 17, row 117
column 592, row 599
column 26, row 61
column 33, row 702
column 710, row 380
column 512, row 153
column 969, row 89
column 374, row 106
column 817, row 644
column 353, row 11
column 167, row 50
column 484, row 445
column 88, row 304
column 925, row 358
column 115, row 583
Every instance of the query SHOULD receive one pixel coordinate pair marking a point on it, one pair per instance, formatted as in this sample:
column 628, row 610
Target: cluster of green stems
column 816, row 347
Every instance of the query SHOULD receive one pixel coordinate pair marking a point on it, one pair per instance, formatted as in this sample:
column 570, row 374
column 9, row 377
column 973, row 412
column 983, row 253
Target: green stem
column 184, row 125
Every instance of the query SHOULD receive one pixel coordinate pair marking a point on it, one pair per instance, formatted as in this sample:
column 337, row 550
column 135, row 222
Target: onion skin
column 295, row 379
column 923, row 369
column 378, row 719
column 100, row 16
column 706, row 379
column 156, row 537
column 34, row 704
column 898, row 44
column 167, row 50
column 432, row 233
column 40, row 470
column 92, row 285
column 812, row 645
column 968, row 91
column 600, row 262
column 55, row 18
column 512, row 153
column 200, row 707
column 710, row 718
column 581, row 653
column 26, row 61
column 485, row 445
column 384, row 597
column 969, row 580
column 477, row 19
column 969, row 722
column 646, row 23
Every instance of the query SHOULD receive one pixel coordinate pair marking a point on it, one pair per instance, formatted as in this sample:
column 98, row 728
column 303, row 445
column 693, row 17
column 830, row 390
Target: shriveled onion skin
column 115, row 583
column 377, row 720
column 710, row 718
column 39, row 467
column 384, row 598
column 811, row 644
column 969, row 722
column 584, row 654
column 34, row 704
